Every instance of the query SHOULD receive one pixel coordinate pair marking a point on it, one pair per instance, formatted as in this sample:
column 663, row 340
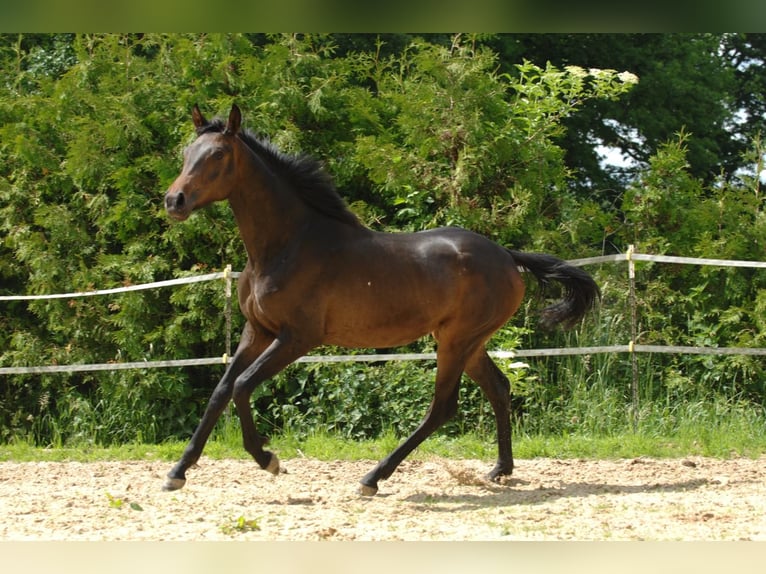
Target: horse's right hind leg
column 483, row 370
column 443, row 407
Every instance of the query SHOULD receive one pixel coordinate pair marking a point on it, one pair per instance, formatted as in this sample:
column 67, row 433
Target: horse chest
column 272, row 303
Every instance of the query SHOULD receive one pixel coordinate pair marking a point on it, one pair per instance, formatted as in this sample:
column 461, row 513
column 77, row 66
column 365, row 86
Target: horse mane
column 308, row 178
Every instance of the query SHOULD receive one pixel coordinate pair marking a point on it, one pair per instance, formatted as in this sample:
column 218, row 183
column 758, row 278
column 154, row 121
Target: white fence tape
column 225, row 359
column 382, row 357
column 110, row 366
column 667, row 259
column 681, row 350
column 142, row 286
column 693, row 261
column 630, row 348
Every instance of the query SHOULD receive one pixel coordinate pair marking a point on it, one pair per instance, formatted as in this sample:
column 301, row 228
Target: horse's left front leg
column 250, row 346
column 282, row 351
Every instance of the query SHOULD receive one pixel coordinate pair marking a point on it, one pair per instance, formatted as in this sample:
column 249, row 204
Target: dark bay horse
column 315, row 275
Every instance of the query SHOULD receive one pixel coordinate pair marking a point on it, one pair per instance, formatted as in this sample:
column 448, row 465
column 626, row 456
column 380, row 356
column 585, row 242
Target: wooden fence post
column 633, row 334
column 227, row 310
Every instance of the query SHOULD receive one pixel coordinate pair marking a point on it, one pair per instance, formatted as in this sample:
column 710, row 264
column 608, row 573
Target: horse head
column 209, row 170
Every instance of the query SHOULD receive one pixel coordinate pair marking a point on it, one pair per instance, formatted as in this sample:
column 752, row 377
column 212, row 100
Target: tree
column 687, row 83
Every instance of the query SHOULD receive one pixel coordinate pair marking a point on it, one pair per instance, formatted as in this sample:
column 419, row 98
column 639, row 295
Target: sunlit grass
column 688, row 442
column 715, row 427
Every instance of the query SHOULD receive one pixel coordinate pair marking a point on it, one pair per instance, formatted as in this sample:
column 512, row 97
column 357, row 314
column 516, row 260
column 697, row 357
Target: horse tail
column 580, row 290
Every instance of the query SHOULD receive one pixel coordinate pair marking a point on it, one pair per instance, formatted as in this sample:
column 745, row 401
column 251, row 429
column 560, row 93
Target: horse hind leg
column 443, row 407
column 483, row 370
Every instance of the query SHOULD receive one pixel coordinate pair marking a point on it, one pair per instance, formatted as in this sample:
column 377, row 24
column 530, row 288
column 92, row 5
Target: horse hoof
column 173, row 484
column 499, row 471
column 366, row 490
column 273, row 466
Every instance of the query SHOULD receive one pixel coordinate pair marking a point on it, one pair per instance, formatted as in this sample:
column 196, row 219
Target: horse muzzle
column 177, row 205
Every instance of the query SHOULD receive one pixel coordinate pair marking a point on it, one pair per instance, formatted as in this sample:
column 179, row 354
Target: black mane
column 311, row 183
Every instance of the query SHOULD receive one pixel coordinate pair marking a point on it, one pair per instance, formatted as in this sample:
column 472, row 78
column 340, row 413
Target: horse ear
column 235, row 120
column 197, row 117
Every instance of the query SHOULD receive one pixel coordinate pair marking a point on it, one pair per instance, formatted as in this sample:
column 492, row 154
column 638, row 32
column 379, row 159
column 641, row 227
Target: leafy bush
column 91, row 133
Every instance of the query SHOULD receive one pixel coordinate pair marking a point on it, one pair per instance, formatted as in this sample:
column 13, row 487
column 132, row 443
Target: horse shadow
column 499, row 495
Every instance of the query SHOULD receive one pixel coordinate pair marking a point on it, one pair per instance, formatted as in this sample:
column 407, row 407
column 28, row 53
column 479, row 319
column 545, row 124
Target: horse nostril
column 175, row 200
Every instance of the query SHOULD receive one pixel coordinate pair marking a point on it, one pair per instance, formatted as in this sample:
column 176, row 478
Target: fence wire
column 632, row 347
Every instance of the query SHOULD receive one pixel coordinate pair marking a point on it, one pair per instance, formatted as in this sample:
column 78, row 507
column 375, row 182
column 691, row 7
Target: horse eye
column 218, row 154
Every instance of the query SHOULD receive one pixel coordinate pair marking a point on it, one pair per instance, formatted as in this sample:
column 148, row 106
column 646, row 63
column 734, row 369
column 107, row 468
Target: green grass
column 328, row 447
column 705, row 427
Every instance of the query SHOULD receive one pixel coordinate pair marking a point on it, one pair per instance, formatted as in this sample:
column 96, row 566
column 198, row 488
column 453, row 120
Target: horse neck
column 268, row 214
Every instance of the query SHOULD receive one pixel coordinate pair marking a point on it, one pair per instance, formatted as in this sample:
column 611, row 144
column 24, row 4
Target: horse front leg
column 249, row 348
column 282, row 351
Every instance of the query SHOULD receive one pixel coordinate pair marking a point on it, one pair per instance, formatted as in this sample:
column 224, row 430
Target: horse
column 315, row 275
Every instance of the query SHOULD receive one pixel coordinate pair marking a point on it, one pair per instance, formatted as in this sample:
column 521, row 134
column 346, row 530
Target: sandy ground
column 547, row 499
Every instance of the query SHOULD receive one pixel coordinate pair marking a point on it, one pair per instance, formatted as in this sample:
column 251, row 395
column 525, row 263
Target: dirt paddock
column 436, row 499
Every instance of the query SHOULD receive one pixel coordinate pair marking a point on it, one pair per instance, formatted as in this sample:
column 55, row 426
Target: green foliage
column 416, row 133
column 118, row 503
column 667, row 211
column 705, row 84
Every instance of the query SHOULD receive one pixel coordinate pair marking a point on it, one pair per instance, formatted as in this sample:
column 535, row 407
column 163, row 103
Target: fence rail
column 115, row 290
column 630, row 256
column 227, row 275
column 369, row 358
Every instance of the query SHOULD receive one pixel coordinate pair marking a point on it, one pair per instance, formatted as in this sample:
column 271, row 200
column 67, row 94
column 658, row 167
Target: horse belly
column 378, row 324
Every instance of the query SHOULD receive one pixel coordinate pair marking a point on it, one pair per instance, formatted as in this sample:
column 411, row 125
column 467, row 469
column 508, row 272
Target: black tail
column 580, row 290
